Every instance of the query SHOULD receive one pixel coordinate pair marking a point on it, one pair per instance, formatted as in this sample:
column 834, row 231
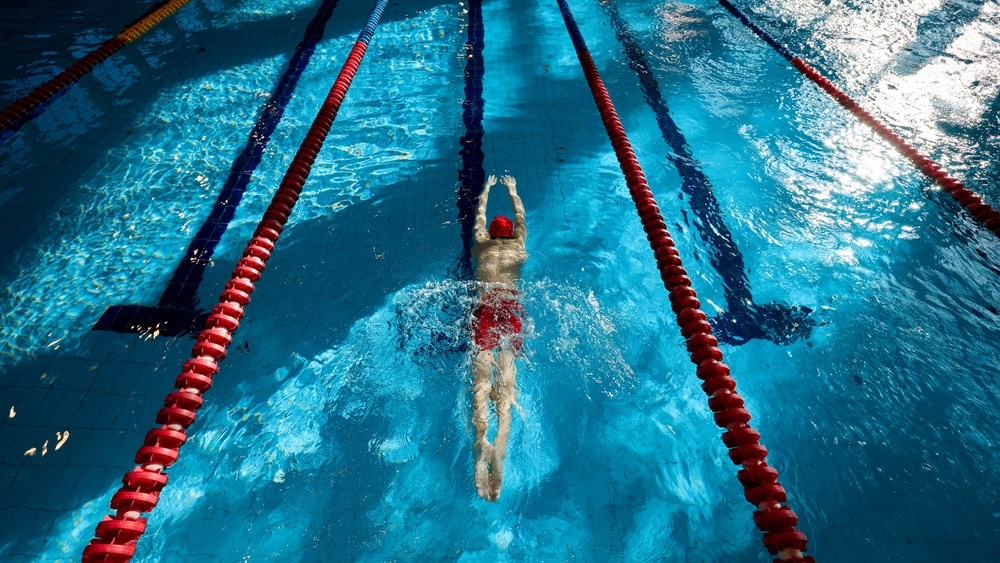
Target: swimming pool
column 339, row 426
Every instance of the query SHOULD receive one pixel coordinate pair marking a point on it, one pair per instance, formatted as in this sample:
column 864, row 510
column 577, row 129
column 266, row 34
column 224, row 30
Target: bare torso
column 499, row 260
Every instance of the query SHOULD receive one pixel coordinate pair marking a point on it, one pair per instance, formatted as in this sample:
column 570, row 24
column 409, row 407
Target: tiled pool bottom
column 338, row 428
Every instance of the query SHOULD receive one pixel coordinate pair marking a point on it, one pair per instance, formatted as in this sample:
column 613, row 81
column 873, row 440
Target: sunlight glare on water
column 339, row 427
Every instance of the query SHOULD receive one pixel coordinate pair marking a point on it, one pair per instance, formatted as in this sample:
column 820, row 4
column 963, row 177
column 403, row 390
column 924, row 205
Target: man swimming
column 499, row 254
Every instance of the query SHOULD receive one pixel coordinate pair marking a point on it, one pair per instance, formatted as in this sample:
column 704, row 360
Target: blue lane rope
column 758, row 31
column 369, row 29
column 176, row 311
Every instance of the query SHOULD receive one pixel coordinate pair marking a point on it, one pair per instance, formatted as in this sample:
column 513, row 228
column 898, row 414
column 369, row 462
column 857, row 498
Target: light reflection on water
column 346, row 433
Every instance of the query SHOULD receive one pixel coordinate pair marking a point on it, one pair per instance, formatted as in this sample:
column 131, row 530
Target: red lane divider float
column 15, row 115
column 969, row 199
column 116, row 535
column 759, row 480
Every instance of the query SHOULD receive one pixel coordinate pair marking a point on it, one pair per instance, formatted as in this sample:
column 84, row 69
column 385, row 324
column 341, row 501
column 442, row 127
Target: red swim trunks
column 498, row 320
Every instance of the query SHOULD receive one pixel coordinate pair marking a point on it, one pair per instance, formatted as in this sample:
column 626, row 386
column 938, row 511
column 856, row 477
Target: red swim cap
column 501, row 227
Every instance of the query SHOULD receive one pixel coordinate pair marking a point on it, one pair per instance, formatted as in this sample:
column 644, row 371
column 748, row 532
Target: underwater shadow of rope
column 177, row 312
column 777, row 322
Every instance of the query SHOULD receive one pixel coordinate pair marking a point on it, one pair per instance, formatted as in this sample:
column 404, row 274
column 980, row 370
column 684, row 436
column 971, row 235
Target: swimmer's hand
column 509, row 182
column 490, row 181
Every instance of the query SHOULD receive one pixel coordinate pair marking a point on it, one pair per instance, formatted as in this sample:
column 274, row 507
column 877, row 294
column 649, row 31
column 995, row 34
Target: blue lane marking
column 744, row 320
column 472, row 175
column 177, row 310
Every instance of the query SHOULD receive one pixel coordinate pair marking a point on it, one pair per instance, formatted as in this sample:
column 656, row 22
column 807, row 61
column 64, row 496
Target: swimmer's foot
column 484, row 454
column 496, row 476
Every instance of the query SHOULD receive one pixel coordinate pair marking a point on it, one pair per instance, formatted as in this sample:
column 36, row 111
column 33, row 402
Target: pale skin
column 498, row 267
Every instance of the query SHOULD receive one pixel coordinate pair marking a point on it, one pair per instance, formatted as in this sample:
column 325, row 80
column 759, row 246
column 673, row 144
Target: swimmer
column 499, row 254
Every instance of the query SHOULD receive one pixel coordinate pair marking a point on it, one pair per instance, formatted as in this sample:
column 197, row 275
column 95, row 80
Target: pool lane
column 177, row 310
column 116, row 536
column 743, row 320
column 761, row 488
column 23, row 110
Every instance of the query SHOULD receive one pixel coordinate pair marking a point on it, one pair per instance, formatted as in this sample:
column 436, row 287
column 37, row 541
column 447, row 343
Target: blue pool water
column 339, row 427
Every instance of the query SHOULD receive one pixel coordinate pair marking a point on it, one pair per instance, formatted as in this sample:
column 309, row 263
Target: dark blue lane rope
column 760, row 32
column 176, row 312
column 743, row 320
column 369, row 29
column 472, row 175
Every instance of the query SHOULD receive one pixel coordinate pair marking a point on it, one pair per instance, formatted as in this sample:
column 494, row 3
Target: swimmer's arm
column 520, row 224
column 479, row 229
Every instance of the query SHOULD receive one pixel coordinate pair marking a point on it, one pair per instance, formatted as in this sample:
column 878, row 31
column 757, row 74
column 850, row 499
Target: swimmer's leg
column 503, row 398
column 482, row 384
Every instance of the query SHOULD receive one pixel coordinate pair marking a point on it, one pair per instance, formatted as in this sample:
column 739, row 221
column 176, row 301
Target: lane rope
column 970, row 200
column 759, row 480
column 23, row 110
column 116, row 535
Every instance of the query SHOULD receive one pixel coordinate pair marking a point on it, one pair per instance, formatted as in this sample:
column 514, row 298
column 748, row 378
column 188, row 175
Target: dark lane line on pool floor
column 177, row 311
column 743, row 320
column 472, row 175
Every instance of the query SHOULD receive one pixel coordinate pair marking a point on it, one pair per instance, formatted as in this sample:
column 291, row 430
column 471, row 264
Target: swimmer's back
column 499, row 260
